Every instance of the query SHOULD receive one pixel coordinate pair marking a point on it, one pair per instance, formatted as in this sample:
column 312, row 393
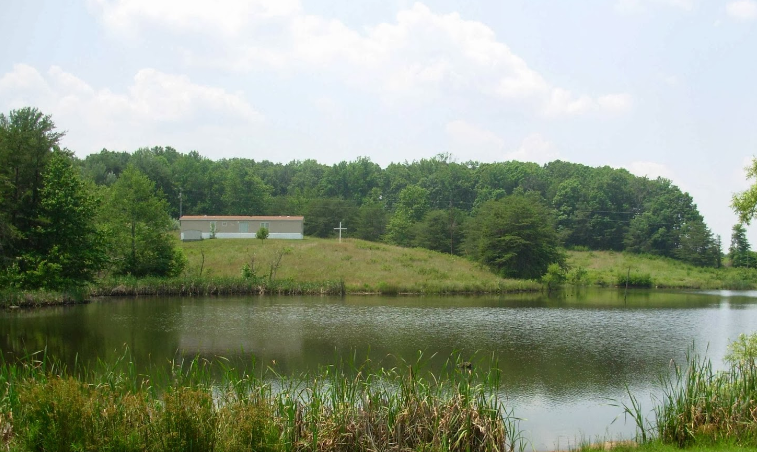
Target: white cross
column 340, row 229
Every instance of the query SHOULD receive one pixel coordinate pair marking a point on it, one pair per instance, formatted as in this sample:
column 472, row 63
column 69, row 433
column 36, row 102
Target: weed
column 348, row 406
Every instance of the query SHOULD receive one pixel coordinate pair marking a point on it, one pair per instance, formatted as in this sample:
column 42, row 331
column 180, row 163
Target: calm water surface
column 561, row 357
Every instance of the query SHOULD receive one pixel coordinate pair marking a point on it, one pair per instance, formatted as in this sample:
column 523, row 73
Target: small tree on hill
column 262, row 233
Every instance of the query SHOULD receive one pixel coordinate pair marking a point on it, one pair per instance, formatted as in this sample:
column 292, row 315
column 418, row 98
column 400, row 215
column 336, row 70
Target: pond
column 563, row 358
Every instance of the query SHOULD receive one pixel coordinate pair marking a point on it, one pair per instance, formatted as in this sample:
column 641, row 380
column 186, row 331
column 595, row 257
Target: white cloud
column 742, row 10
column 670, row 80
column 465, row 134
column 637, row 6
column 420, row 55
column 534, row 148
column 100, row 117
column 227, row 17
column 651, row 170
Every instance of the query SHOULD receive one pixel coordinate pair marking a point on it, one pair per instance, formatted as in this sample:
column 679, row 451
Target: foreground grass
column 608, row 269
column 364, row 267
column 46, row 407
column 704, row 408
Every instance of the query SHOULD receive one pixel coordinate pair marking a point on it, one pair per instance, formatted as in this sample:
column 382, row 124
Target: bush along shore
column 211, row 406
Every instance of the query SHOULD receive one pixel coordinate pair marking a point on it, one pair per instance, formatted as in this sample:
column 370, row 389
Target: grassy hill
column 608, row 268
column 367, row 267
column 363, row 266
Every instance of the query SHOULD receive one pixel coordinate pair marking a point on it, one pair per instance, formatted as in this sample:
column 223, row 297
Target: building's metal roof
column 239, row 218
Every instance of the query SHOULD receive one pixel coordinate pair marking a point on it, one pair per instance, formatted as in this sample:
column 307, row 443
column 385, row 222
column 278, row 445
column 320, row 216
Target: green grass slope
column 363, row 266
column 607, row 268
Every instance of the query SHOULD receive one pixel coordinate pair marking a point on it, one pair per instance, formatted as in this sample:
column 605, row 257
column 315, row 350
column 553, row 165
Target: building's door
column 243, row 227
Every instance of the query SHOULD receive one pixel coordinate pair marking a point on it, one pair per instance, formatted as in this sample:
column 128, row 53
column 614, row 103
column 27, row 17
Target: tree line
column 433, row 203
column 511, row 216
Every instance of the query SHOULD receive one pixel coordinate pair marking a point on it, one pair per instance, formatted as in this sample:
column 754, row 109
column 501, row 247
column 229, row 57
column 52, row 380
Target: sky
column 658, row 87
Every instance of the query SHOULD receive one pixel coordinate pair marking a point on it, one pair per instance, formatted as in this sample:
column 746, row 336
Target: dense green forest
column 430, row 203
column 63, row 218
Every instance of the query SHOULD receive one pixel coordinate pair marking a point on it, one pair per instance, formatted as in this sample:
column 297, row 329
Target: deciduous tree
column 515, row 237
column 139, row 228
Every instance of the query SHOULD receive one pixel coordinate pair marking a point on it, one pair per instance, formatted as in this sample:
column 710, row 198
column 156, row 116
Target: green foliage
column 515, row 237
column 668, row 216
column 441, row 230
column 49, row 237
column 210, row 405
column 323, row 215
column 371, row 221
column 596, row 208
column 262, row 233
column 247, row 271
column 703, row 406
column 739, row 251
column 577, row 275
column 743, row 350
column 27, row 141
column 640, row 280
column 697, row 245
column 745, row 203
column 411, row 208
column 139, row 228
column 70, row 247
column 554, row 277
column 245, row 193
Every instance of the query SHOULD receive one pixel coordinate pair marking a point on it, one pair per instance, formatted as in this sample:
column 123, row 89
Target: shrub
column 262, row 233
column 634, row 280
column 577, row 275
column 554, row 277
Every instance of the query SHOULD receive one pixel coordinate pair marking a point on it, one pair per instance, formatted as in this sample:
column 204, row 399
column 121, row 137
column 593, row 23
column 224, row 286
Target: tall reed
column 345, row 407
column 702, row 406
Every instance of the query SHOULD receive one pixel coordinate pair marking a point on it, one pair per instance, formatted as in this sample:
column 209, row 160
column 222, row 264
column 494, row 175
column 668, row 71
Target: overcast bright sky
column 659, row 87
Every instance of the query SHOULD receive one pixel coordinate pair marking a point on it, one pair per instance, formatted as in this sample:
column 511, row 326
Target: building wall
column 245, row 228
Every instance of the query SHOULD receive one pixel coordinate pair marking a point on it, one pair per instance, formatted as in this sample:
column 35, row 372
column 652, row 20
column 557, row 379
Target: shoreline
column 151, row 287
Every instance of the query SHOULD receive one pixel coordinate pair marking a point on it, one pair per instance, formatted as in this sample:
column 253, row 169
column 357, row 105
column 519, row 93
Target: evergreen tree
column 697, row 245
column 27, row 140
column 68, row 245
column 739, row 250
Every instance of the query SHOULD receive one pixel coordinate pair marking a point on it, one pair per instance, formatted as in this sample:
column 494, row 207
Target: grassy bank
column 46, row 407
column 364, row 267
column 209, row 285
column 326, row 267
column 31, row 299
column 609, row 269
